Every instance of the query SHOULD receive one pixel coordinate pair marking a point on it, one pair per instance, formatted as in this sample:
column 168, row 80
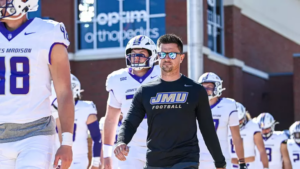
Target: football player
column 293, row 145
column 85, row 121
column 32, row 53
column 275, row 142
column 140, row 56
column 225, row 117
column 251, row 135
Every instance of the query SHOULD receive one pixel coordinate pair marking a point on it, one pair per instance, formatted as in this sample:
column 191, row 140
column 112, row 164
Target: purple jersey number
column 269, row 153
column 74, row 131
column 232, row 146
column 297, row 157
column 216, row 123
column 19, row 69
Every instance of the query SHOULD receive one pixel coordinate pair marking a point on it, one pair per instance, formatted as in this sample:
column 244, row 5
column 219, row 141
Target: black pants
column 184, row 165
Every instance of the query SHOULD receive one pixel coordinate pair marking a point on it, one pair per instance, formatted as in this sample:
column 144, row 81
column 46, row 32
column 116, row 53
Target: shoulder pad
column 115, row 77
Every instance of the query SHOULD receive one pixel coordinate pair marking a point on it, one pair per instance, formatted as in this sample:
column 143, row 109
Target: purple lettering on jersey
column 2, row 75
column 15, row 73
column 216, row 123
column 128, row 97
column 269, row 153
column 74, row 132
column 297, row 157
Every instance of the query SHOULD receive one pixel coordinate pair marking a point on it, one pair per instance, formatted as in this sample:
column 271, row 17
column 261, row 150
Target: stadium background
column 254, row 46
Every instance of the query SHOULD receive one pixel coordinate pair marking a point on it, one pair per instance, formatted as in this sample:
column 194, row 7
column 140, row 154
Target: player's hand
column 107, row 163
column 64, row 153
column 121, row 151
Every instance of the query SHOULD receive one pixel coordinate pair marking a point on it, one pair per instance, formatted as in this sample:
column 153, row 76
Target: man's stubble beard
column 167, row 68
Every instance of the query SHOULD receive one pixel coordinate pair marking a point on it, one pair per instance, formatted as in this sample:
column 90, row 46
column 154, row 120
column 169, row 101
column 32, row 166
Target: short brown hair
column 170, row 38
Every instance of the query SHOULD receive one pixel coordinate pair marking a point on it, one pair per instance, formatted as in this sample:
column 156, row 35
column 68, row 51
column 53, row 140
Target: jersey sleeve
column 101, row 124
column 255, row 128
column 233, row 116
column 112, row 100
column 90, row 109
column 59, row 36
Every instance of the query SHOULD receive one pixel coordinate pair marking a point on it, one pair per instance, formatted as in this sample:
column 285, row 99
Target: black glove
column 243, row 166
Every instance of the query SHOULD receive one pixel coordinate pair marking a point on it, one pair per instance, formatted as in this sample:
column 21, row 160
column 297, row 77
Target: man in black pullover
column 172, row 105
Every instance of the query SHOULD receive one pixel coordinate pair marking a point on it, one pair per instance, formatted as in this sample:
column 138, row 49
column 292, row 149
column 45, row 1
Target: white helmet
column 141, row 42
column 76, row 86
column 241, row 114
column 266, row 121
column 295, row 131
column 210, row 77
column 17, row 7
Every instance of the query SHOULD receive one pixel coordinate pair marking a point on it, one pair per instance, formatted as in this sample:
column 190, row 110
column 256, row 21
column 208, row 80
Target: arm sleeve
column 134, row 117
column 207, row 128
column 233, row 118
column 96, row 137
column 59, row 36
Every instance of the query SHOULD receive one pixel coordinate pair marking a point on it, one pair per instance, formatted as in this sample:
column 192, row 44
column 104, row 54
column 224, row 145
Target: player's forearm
column 110, row 127
column 66, row 111
column 287, row 165
column 238, row 144
column 264, row 159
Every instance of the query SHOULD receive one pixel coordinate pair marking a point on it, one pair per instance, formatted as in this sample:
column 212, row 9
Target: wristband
column 242, row 160
column 67, row 139
column 107, row 150
column 96, row 161
column 243, row 166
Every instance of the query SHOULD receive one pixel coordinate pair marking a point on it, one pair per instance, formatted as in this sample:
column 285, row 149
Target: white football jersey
column 83, row 109
column 102, row 127
column 224, row 115
column 247, row 133
column 123, row 85
column 272, row 146
column 294, row 153
column 24, row 66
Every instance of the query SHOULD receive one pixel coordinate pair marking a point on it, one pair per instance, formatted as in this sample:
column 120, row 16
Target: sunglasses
column 172, row 55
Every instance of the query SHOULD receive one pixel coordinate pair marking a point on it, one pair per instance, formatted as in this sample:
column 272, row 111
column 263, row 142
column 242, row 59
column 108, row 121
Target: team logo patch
column 169, row 98
column 138, row 39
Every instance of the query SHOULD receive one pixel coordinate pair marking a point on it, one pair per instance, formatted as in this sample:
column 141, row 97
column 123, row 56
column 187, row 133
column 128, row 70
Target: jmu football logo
column 169, row 98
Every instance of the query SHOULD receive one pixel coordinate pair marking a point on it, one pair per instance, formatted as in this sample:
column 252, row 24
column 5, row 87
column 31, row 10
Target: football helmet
column 76, row 87
column 241, row 114
column 210, row 77
column 266, row 121
column 140, row 42
column 295, row 131
column 10, row 8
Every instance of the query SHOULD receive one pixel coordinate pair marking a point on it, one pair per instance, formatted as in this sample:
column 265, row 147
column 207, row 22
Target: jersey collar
column 11, row 35
column 214, row 105
column 140, row 79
